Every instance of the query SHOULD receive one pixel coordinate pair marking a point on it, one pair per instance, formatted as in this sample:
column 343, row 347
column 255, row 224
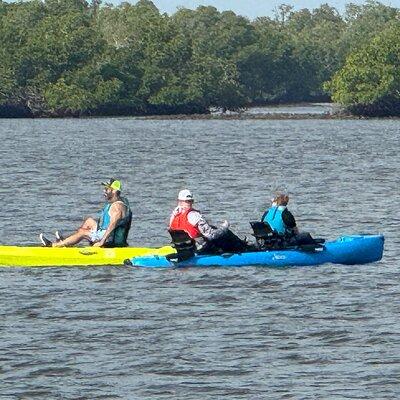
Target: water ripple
column 117, row 333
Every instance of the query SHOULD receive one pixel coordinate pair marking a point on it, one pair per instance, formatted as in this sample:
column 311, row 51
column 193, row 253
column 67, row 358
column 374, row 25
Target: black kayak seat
column 128, row 228
column 184, row 245
column 266, row 237
column 262, row 230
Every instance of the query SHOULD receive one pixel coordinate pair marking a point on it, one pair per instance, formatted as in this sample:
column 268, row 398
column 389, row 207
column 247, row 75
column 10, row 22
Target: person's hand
column 97, row 244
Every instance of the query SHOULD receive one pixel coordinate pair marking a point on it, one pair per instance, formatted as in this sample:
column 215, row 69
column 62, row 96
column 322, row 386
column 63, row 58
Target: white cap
column 185, row 195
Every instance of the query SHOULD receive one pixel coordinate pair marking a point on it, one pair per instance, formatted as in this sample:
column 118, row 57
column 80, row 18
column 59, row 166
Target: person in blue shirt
column 109, row 230
column 279, row 218
column 282, row 221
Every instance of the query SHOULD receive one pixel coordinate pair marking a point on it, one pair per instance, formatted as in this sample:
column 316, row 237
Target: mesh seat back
column 184, row 245
column 266, row 237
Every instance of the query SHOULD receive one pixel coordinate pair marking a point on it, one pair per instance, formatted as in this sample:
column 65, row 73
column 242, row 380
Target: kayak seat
column 128, row 228
column 184, row 245
column 266, row 237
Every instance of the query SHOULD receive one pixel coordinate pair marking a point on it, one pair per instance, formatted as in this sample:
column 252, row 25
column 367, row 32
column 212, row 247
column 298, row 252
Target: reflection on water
column 329, row 332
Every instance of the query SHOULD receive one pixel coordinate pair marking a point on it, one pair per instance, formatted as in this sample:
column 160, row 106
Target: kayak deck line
column 27, row 256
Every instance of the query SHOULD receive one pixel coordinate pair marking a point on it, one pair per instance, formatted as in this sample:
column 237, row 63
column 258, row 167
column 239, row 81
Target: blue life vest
column 274, row 218
column 119, row 235
column 104, row 220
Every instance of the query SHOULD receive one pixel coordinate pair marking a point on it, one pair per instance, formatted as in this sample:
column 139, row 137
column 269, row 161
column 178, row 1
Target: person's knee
column 84, row 230
column 89, row 224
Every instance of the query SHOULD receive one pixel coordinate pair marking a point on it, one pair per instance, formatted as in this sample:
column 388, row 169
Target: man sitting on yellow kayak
column 110, row 230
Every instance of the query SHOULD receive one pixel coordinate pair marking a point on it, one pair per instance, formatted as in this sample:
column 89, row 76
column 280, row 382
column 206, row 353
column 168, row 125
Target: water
column 247, row 333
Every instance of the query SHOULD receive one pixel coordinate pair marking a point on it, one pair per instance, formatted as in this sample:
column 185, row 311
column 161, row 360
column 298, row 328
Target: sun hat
column 113, row 184
column 185, row 195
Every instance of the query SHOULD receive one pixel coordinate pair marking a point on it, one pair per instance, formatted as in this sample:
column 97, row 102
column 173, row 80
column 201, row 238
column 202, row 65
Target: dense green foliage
column 369, row 83
column 69, row 57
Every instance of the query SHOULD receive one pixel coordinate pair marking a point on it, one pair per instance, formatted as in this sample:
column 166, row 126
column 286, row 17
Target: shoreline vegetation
column 267, row 116
column 234, row 115
column 72, row 58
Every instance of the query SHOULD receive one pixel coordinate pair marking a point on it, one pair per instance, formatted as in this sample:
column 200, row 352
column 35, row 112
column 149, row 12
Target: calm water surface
column 330, row 332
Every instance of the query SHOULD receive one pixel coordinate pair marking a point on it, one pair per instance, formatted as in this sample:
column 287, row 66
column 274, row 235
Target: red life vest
column 180, row 223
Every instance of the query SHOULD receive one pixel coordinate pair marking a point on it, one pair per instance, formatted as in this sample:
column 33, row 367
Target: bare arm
column 116, row 213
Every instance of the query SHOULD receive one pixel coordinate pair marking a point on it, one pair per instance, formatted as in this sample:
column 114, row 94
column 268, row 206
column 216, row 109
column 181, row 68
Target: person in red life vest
column 208, row 238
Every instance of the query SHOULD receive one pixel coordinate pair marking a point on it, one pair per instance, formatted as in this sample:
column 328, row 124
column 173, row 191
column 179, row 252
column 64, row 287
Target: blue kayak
column 354, row 249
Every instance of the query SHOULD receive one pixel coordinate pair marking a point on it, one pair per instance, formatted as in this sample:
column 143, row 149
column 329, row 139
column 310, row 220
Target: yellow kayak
column 19, row 256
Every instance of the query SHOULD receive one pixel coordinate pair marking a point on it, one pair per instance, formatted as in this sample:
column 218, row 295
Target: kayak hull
column 354, row 249
column 18, row 256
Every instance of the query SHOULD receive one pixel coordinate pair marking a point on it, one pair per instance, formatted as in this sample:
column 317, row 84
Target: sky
column 251, row 8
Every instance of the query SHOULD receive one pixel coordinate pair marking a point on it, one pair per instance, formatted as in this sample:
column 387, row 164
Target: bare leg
column 83, row 232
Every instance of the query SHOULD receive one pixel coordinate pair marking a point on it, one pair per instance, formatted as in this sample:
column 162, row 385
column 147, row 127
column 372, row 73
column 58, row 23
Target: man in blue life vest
column 279, row 218
column 110, row 230
column 208, row 238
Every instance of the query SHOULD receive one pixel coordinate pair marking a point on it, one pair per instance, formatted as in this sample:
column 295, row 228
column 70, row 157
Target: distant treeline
column 71, row 58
